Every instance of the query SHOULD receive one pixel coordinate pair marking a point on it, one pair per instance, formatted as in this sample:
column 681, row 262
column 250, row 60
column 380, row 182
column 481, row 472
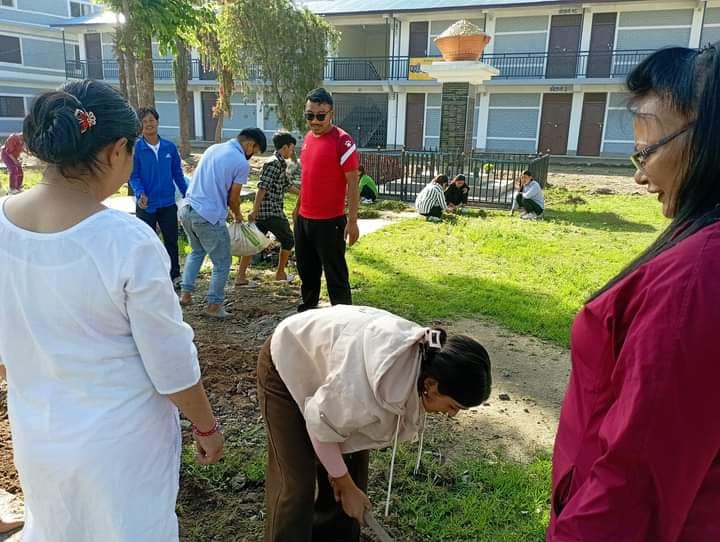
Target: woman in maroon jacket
column 637, row 455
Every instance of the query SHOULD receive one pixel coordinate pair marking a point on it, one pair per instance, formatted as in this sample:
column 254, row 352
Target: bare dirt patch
column 598, row 179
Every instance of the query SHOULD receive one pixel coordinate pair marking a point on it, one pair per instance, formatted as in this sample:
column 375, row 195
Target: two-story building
column 560, row 89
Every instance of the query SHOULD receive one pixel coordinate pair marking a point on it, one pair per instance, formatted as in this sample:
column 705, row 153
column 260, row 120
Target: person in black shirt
column 456, row 194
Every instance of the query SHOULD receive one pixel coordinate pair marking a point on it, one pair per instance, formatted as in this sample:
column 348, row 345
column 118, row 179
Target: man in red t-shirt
column 330, row 164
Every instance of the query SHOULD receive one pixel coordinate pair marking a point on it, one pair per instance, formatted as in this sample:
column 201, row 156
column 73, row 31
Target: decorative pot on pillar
column 462, row 41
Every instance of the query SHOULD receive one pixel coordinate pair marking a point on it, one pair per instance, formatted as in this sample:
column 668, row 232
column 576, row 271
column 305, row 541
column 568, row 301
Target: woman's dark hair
column 280, row 139
column 688, row 82
column 459, row 177
column 68, row 127
column 320, row 96
column 145, row 111
column 461, row 368
column 528, row 173
column 441, row 179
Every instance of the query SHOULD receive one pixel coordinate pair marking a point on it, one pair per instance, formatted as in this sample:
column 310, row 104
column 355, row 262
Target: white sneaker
column 14, row 191
column 434, row 219
column 529, row 216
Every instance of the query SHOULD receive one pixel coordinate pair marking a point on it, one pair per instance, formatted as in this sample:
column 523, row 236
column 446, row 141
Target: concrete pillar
column 696, row 28
column 575, row 119
column 482, row 120
column 490, row 29
column 199, row 119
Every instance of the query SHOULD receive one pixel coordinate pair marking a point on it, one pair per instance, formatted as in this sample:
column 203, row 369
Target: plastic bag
column 246, row 239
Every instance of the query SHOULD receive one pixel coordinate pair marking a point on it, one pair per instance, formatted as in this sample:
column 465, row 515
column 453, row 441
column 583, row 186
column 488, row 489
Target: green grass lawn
column 529, row 276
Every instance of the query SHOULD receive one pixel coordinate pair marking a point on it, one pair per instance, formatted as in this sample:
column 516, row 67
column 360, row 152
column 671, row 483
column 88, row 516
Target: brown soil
column 599, row 179
column 8, row 476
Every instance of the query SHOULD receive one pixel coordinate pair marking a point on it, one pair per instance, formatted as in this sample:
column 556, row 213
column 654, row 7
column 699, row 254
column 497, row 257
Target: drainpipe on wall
column 64, row 53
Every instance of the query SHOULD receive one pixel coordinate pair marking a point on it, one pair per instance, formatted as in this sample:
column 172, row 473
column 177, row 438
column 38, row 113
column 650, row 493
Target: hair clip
column 86, row 119
column 432, row 336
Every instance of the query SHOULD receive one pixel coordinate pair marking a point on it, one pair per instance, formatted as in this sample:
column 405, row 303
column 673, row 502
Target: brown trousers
column 300, row 504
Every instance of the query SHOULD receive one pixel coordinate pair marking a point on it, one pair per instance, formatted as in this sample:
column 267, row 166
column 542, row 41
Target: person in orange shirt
column 10, row 153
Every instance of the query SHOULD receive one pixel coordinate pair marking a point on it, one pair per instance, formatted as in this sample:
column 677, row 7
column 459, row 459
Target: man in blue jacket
column 157, row 169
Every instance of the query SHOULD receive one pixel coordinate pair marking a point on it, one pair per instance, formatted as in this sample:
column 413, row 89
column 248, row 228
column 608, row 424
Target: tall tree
column 146, row 20
column 287, row 44
column 182, row 72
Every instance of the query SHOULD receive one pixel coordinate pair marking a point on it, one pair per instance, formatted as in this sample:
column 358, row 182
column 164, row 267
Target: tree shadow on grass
column 524, row 310
column 598, row 221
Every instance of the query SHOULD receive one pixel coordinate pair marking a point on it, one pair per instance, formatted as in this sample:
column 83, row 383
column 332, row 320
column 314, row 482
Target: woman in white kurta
column 95, row 351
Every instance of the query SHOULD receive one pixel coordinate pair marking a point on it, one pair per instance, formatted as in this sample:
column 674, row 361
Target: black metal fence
column 490, row 175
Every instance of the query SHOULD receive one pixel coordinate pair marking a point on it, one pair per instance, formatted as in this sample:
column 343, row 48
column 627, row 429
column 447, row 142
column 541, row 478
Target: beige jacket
column 353, row 372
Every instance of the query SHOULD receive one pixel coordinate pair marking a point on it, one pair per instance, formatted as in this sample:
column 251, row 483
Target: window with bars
column 7, row 3
column 12, row 107
column 10, row 49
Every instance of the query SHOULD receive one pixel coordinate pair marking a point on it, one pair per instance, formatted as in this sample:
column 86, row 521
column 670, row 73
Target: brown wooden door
column 415, row 122
column 209, row 122
column 564, row 44
column 93, row 53
column 591, row 125
column 602, row 41
column 419, row 39
column 555, row 123
column 191, row 114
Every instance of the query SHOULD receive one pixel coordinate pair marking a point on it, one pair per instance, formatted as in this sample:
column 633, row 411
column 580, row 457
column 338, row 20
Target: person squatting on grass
column 456, row 194
column 529, row 197
column 96, row 354
column 157, row 169
column 268, row 210
column 342, row 381
column 430, row 201
column 637, row 454
column 216, row 186
column 368, row 187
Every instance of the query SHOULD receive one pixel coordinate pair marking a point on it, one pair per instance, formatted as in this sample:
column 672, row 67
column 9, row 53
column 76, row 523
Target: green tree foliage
column 283, row 44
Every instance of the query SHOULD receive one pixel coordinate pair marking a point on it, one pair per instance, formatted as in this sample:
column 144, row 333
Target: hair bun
column 52, row 132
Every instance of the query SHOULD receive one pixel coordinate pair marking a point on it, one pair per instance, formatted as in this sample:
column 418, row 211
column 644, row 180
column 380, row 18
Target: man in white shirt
column 529, row 197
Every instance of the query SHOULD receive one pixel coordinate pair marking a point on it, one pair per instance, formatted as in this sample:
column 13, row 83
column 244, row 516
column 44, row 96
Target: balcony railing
column 581, row 64
column 367, row 69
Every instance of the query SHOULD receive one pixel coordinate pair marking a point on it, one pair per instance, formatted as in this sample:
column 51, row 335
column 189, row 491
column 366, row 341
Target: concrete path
column 126, row 204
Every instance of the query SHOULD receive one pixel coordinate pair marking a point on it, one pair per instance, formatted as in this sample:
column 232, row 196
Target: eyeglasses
column 638, row 158
column 319, row 116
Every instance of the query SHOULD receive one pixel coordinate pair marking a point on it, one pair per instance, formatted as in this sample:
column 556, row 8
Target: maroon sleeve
column 662, row 433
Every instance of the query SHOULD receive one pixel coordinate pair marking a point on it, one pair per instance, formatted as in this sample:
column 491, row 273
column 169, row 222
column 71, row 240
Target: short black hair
column 280, row 139
column 459, row 177
column 320, row 96
column 54, row 132
column 256, row 134
column 461, row 368
column 145, row 111
column 528, row 173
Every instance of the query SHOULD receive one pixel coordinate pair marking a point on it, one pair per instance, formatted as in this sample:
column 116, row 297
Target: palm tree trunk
column 182, row 74
column 147, row 73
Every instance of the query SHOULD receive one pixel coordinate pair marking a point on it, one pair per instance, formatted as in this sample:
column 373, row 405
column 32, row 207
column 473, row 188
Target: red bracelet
column 215, row 429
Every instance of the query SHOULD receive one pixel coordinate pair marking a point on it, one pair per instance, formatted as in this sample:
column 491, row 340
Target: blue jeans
column 206, row 239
